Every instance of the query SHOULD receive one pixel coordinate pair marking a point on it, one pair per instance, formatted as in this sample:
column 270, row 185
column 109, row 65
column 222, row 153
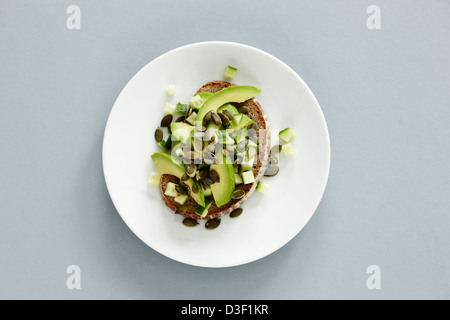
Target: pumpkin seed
column 158, row 134
column 271, row 171
column 200, row 128
column 165, row 122
column 243, row 109
column 203, row 173
column 208, row 181
column 225, row 120
column 189, row 222
column 189, row 111
column 273, row 160
column 276, row 149
column 254, row 126
column 251, row 152
column 214, row 176
column 210, row 136
column 207, row 118
column 181, row 210
column 236, row 213
column 195, row 188
column 209, row 158
column 183, row 185
column 180, row 119
column 228, row 114
column 190, row 170
column 216, row 118
column 212, row 224
column 198, row 144
column 237, row 194
column 184, row 177
column 239, row 158
column 241, row 145
column 181, row 190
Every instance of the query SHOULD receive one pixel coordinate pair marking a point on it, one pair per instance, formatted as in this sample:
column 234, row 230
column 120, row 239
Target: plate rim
column 323, row 122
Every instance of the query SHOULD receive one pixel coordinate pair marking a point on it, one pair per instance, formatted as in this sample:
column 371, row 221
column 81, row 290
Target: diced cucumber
column 236, row 120
column 203, row 211
column 182, row 131
column 286, row 134
column 238, row 179
column 171, row 90
column 170, row 190
column 245, row 121
column 191, row 118
column 212, row 125
column 154, row 179
column 251, row 144
column 181, row 199
column 204, row 95
column 229, row 107
column 224, row 137
column 207, row 191
column 247, row 164
column 288, row 149
column 229, row 73
column 248, row 177
column 262, row 187
column 196, row 102
column 169, row 108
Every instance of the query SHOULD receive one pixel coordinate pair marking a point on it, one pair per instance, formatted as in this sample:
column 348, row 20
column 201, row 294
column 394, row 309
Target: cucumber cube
column 171, row 90
column 169, row 108
column 288, row 149
column 181, row 199
column 238, row 179
column 196, row 102
column 207, row 192
column 287, row 135
column 154, row 179
column 229, row 73
column 170, row 190
column 191, row 118
column 248, row 177
column 262, row 187
column 203, row 211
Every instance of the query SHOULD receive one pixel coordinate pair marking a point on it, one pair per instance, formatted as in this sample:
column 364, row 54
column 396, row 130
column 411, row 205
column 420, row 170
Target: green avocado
column 222, row 190
column 230, row 108
column 226, row 95
column 166, row 165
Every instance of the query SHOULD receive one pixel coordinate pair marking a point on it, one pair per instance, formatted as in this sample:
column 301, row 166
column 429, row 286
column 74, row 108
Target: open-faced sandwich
column 217, row 150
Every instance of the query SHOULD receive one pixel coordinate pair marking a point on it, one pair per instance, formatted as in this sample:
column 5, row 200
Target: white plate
column 269, row 220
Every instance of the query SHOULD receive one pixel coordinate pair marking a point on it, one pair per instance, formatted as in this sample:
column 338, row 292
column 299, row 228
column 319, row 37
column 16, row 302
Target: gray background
column 385, row 95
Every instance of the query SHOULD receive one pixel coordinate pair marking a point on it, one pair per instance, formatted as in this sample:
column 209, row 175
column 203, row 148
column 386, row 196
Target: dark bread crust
column 257, row 115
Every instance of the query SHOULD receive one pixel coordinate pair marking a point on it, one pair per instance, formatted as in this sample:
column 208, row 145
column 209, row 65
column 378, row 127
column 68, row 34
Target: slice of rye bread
column 257, row 115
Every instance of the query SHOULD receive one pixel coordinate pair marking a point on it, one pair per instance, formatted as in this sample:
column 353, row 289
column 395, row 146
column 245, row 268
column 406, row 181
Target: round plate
column 269, row 220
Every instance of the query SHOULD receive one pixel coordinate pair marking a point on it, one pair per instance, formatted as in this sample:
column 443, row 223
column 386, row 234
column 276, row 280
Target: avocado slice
column 230, row 108
column 166, row 165
column 222, row 190
column 226, row 95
